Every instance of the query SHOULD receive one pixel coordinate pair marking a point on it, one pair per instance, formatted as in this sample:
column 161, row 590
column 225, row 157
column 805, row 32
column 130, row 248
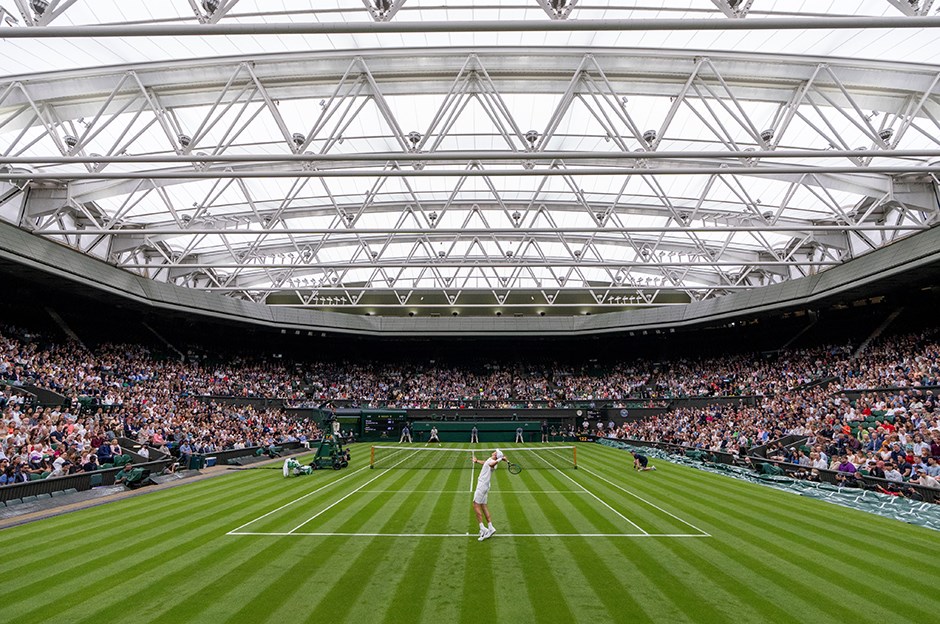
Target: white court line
column 324, row 510
column 473, row 454
column 704, row 534
column 467, row 535
column 297, row 500
column 639, row 528
column 464, row 492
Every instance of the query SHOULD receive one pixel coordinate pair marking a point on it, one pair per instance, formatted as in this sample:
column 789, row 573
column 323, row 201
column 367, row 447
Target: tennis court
column 426, row 492
column 391, row 546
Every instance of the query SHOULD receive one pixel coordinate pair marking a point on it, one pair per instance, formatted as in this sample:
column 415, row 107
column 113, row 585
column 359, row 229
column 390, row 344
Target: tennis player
column 483, row 489
column 434, row 437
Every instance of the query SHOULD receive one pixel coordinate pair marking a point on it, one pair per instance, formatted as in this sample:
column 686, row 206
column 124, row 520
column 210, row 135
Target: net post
column 575, row 449
column 372, row 457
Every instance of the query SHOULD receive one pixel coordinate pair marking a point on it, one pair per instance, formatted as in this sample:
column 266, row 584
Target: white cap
column 499, row 454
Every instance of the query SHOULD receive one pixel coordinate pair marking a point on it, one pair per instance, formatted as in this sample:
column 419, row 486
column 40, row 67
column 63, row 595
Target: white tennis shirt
column 486, row 471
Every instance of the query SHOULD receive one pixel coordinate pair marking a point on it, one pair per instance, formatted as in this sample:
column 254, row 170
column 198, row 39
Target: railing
column 929, row 494
column 128, row 445
column 222, row 457
column 82, row 481
column 760, row 451
column 721, row 457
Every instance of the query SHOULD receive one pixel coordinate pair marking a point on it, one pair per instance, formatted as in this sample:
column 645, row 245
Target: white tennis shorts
column 479, row 497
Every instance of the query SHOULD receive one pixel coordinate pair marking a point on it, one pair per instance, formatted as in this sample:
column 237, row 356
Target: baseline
column 466, row 535
column 507, row 492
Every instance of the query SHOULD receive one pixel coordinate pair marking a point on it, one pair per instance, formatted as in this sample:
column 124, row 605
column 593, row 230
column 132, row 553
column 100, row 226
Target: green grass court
column 602, row 543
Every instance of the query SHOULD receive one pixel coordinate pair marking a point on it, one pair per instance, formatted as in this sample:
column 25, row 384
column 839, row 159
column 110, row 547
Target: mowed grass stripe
column 806, row 560
column 649, row 569
column 775, row 572
column 625, row 486
column 306, row 501
column 853, row 528
column 428, row 564
column 764, row 502
column 272, row 594
column 866, row 525
column 97, row 520
column 590, row 515
column 359, row 575
column 140, row 539
column 543, row 590
column 327, row 558
column 839, row 553
column 141, row 558
column 269, row 595
column 773, row 556
column 652, row 517
column 807, row 548
column 426, row 516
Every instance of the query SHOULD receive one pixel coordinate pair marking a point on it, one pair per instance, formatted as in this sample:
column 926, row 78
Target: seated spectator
column 104, row 454
column 90, row 463
column 925, row 480
column 892, row 473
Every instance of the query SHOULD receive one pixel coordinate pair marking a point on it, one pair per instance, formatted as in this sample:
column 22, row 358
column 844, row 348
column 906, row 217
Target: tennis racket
column 514, row 468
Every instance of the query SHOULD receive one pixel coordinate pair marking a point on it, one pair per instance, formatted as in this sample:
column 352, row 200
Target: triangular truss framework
column 472, row 238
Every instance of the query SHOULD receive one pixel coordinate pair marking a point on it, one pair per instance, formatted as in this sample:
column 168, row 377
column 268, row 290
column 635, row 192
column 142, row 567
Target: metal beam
column 469, row 155
column 577, row 290
column 476, row 26
column 761, row 77
column 137, row 231
column 472, row 261
column 212, row 174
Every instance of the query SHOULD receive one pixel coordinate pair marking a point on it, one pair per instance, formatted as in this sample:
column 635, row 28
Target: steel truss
column 43, row 14
column 602, row 200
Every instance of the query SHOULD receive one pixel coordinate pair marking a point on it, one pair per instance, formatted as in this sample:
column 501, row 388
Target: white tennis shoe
column 488, row 533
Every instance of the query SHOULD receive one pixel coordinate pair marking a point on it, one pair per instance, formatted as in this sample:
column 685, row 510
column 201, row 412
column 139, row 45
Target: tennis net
column 533, row 458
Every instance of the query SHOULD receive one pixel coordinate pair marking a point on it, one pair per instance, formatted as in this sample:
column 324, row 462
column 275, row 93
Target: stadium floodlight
column 414, row 137
column 767, row 135
column 649, row 136
column 532, row 136
column 185, row 140
column 210, row 6
column 886, row 134
column 39, row 6
column 70, row 141
column 298, row 138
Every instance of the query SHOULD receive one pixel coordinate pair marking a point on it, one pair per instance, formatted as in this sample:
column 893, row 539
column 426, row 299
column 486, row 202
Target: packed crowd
column 129, row 390
column 900, row 443
column 123, row 391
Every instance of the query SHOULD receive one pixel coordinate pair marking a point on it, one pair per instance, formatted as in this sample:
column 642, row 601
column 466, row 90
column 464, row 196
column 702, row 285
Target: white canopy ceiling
column 470, row 169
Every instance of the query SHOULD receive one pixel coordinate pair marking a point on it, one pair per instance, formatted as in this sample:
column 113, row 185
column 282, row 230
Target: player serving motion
column 483, row 490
